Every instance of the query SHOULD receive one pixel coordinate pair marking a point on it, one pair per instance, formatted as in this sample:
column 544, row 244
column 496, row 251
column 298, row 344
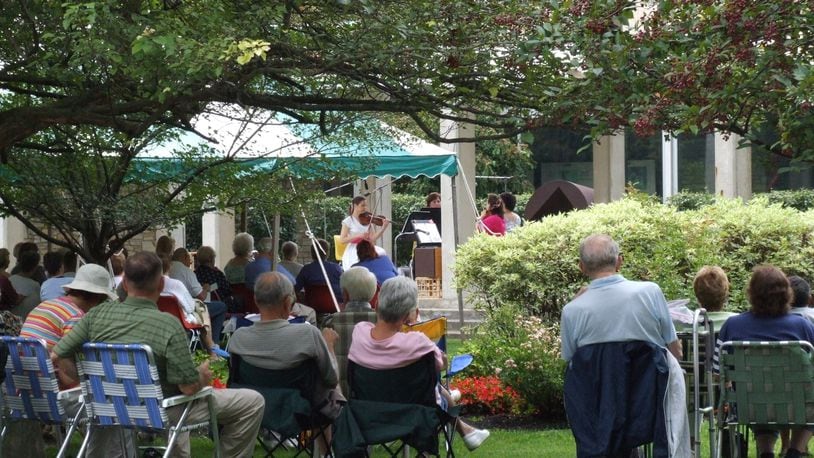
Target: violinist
column 360, row 225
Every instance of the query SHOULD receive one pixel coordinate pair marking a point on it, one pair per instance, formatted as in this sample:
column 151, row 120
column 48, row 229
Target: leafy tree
column 736, row 66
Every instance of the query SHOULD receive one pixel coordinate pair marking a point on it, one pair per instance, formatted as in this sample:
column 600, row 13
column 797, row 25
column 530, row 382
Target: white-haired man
column 612, row 308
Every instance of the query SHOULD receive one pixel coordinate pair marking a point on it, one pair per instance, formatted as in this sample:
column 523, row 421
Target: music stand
column 426, row 232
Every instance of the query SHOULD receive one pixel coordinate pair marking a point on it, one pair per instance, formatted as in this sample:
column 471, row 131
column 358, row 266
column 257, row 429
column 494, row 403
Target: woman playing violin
column 360, row 225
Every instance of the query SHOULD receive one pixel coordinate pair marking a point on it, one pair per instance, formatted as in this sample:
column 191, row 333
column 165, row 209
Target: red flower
column 217, row 383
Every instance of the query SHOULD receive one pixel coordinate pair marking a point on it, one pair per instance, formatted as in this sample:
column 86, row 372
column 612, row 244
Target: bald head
column 598, row 254
column 272, row 289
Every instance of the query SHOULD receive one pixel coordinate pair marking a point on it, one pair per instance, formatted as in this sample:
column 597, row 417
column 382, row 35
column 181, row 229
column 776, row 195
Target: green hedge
column 535, row 268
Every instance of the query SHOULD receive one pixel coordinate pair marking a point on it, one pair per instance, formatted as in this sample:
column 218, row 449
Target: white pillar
column 669, row 166
column 218, row 231
column 464, row 183
column 609, row 168
column 733, row 167
column 12, row 232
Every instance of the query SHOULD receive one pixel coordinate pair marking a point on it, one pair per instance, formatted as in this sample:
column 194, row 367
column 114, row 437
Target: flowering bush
column 488, row 395
column 524, row 353
column 219, row 368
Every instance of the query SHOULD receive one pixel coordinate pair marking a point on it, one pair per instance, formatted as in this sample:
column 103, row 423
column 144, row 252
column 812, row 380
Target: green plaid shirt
column 137, row 320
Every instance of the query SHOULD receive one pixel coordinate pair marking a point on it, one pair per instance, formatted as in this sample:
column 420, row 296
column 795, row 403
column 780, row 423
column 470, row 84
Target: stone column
column 218, row 231
column 464, row 223
column 733, row 167
column 669, row 166
column 609, row 168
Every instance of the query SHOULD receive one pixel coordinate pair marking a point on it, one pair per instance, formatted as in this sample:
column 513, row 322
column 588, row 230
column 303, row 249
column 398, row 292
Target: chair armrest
column 71, row 393
column 183, row 399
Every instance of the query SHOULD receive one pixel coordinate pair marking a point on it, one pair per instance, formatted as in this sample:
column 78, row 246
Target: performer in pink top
column 491, row 220
column 384, row 346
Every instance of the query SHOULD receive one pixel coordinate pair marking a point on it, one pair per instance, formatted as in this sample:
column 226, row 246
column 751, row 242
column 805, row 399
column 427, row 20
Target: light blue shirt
column 52, row 288
column 614, row 309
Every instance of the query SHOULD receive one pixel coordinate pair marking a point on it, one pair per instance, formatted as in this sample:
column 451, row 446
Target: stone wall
column 141, row 242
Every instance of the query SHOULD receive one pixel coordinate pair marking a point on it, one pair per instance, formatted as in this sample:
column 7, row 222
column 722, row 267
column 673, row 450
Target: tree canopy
column 87, row 85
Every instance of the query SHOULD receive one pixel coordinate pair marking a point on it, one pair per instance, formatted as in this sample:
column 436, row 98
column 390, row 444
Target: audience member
column 193, row 309
column 289, row 252
column 117, row 266
column 5, row 260
column 165, row 245
column 211, row 278
column 262, row 263
column 311, row 273
column 25, row 285
column 381, row 265
column 511, row 218
column 242, row 247
column 54, row 318
column 238, row 411
column 433, row 200
column 383, row 346
column 358, row 288
column 181, row 271
column 353, row 231
column 801, row 298
column 19, row 249
column 269, row 342
column 61, row 269
column 769, row 294
column 612, row 308
column 711, row 287
column 491, row 220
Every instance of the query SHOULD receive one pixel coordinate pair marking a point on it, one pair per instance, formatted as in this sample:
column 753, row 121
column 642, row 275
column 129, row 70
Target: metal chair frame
column 121, row 386
column 698, row 362
column 31, row 389
column 775, row 388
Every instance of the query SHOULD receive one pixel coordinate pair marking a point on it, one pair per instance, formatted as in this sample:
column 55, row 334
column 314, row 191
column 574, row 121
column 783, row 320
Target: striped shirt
column 51, row 320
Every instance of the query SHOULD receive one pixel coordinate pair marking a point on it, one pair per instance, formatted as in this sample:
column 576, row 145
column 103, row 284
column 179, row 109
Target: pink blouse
column 399, row 350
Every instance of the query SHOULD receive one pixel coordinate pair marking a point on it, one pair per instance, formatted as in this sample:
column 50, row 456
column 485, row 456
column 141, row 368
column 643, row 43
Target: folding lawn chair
column 171, row 305
column 121, row 387
column 436, row 330
column 393, row 405
column 290, row 405
column 698, row 343
column 31, row 389
column 766, row 384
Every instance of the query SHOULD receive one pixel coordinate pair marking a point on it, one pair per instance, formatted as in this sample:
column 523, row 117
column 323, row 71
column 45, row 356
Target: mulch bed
column 529, row 422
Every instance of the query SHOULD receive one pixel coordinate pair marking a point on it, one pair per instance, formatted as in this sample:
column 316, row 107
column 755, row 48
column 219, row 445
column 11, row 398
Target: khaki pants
column 239, row 412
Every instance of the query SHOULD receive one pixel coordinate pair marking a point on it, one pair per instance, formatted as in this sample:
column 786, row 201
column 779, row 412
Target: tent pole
column 459, row 291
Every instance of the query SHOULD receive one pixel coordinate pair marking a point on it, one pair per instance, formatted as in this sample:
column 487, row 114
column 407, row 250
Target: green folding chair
column 393, row 408
column 290, row 405
column 766, row 384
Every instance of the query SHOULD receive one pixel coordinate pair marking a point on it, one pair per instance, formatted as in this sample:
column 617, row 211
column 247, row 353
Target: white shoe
column 474, row 439
column 455, row 396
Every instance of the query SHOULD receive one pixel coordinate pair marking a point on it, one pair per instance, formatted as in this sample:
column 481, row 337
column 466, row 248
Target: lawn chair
column 393, row 405
column 31, row 390
column 171, row 305
column 290, row 405
column 698, row 344
column 766, row 383
column 245, row 295
column 121, row 387
column 436, row 330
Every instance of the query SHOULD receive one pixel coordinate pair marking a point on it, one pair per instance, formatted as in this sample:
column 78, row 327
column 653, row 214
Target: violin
column 367, row 218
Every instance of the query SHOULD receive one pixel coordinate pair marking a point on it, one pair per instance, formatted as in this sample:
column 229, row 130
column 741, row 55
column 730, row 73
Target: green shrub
column 524, row 353
column 686, row 200
column 535, row 269
column 800, row 199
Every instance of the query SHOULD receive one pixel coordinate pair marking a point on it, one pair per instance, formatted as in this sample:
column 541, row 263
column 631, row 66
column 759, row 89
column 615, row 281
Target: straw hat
column 92, row 278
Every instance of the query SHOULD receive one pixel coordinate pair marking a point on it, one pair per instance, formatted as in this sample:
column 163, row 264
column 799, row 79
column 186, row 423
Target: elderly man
column 358, row 288
column 274, row 343
column 289, row 252
column 612, row 308
column 138, row 320
column 263, row 262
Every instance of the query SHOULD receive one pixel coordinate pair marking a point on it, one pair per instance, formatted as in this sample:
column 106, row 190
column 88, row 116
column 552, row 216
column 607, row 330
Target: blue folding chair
column 121, row 386
column 31, row 390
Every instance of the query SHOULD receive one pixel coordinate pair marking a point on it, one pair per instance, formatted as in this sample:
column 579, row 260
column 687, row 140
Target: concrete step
column 431, row 308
